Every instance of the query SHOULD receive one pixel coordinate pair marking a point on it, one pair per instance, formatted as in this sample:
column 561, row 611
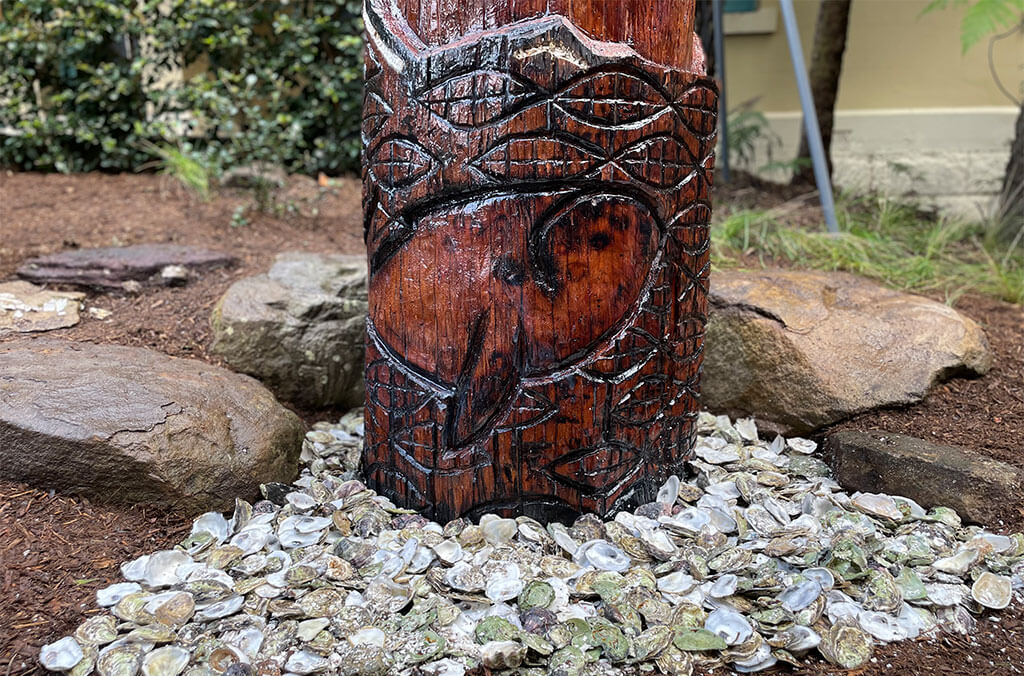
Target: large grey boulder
column 800, row 350
column 300, row 328
column 130, row 425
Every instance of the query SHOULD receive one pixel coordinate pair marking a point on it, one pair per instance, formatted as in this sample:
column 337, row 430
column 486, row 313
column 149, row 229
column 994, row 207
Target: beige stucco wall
column 915, row 116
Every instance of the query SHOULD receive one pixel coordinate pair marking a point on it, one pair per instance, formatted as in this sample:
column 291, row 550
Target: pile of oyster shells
column 757, row 558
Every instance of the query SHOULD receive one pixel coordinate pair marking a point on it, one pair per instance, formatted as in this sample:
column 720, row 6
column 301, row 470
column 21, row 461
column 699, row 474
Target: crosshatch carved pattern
column 536, row 218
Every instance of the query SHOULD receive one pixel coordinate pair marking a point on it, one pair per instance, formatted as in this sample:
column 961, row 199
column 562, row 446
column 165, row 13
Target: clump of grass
column 182, row 166
column 879, row 238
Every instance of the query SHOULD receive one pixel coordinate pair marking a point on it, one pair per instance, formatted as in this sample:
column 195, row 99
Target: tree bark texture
column 826, row 67
column 1011, row 198
column 536, row 177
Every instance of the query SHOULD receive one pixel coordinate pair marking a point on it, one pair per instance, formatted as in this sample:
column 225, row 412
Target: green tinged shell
column 910, row 585
column 536, row 594
column 613, row 642
column 697, row 640
column 495, row 629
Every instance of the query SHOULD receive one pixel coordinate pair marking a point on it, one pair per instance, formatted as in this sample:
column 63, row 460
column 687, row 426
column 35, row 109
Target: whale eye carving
column 612, row 100
column 475, row 98
column 399, row 163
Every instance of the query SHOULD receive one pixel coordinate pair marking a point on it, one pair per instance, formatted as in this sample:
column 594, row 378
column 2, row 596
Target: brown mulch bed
column 55, row 551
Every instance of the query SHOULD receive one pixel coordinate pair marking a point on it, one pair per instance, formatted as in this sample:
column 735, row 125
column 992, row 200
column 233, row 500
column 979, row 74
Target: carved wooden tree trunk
column 536, row 177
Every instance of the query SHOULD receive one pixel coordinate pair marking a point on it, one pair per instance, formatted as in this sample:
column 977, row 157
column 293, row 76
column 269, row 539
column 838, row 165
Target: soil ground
column 55, row 551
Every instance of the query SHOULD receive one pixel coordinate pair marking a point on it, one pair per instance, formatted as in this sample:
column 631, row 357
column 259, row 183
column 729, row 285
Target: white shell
column 882, row 626
column 959, row 563
column 602, row 555
column 717, row 456
column 800, row 595
column 307, row 629
column 109, row 596
column 878, row 505
column 300, row 501
column 368, row 636
column 166, row 661
column 135, row 570
column 252, row 538
column 561, row 536
column 215, row 611
column 162, row 568
column 823, row 576
column 499, row 531
column 445, row 667
column 676, row 583
column 689, row 520
column 501, row 588
column 747, row 429
column 668, row 493
column 761, row 659
column 306, row 662
column 992, row 591
column 723, row 586
column 728, row 624
column 310, row 524
column 61, row 655
column 797, row 639
column 449, row 551
column 801, row 445
column 213, row 523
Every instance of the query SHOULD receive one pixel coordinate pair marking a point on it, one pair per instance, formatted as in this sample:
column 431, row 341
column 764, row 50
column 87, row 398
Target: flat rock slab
column 801, row 350
column 27, row 308
column 112, row 267
column 130, row 425
column 980, row 489
column 300, row 328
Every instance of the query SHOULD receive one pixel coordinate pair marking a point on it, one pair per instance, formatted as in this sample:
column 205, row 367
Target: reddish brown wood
column 536, row 178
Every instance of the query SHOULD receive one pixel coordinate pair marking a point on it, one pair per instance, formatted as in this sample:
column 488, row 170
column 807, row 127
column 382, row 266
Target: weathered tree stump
column 536, row 177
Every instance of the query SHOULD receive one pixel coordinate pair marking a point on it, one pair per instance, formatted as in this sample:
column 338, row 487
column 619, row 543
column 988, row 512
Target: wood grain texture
column 536, row 177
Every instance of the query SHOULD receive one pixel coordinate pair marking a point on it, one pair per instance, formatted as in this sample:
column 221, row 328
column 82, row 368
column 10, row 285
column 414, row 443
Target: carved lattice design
column 537, row 226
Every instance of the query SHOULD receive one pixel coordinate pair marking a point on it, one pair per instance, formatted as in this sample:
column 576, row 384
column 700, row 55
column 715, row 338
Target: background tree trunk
column 825, row 67
column 536, row 177
column 703, row 26
column 1011, row 207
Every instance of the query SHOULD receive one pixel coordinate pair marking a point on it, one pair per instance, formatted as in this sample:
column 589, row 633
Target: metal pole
column 811, row 128
column 723, row 110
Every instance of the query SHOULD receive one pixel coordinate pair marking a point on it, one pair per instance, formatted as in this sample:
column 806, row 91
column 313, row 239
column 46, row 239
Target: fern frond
column 985, row 17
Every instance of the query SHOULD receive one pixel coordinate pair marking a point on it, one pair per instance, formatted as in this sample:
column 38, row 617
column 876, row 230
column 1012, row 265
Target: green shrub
column 92, row 84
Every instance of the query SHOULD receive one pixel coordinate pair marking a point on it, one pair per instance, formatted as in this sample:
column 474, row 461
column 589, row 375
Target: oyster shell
column 96, row 631
column 166, row 661
column 847, row 646
column 502, row 654
column 992, row 591
column 109, row 596
column 728, row 624
column 61, row 655
column 122, row 659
